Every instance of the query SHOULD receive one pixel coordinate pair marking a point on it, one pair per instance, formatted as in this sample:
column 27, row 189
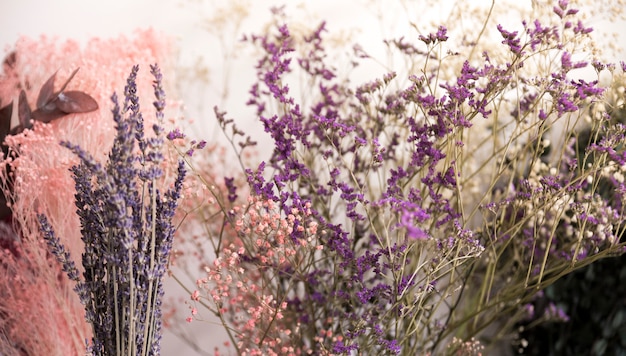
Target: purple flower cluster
column 385, row 171
column 329, row 157
column 126, row 225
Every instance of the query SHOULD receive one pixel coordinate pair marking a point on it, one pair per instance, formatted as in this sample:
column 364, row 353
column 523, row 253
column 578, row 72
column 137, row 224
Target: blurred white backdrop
column 198, row 27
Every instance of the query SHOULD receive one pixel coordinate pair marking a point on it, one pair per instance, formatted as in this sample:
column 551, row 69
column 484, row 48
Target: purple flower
column 585, row 89
column 556, row 313
column 511, row 40
column 382, row 169
column 127, row 239
column 232, row 189
column 411, row 215
column 439, row 36
column 174, row 134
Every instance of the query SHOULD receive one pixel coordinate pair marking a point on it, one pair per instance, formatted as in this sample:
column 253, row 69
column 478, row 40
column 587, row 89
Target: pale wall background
column 196, row 28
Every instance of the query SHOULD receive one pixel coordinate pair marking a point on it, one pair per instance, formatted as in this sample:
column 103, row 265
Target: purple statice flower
column 556, row 313
column 232, row 189
column 540, row 34
column 339, row 125
column 341, row 348
column 512, row 40
column 383, row 171
column 409, row 217
column 258, row 184
column 585, row 89
column 174, row 134
column 126, row 225
column 567, row 64
column 312, row 62
column 433, row 38
column 195, row 145
column 580, row 28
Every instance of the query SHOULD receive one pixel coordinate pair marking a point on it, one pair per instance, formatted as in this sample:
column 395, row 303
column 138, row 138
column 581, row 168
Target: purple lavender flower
column 127, row 233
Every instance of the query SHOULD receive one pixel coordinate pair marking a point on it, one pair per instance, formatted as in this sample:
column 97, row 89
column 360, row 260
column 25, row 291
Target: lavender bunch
column 126, row 225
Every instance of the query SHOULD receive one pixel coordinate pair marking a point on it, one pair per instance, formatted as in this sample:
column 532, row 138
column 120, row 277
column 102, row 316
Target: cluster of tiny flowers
column 303, row 181
column 471, row 347
column 127, row 229
column 250, row 280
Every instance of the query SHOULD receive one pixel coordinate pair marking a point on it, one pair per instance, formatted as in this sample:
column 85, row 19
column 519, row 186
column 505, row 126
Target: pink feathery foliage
column 39, row 312
column 42, row 176
column 42, row 181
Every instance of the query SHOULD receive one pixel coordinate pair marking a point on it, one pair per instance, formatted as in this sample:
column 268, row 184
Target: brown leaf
column 5, row 121
column 23, row 111
column 47, row 116
column 75, row 102
column 46, row 93
column 9, row 61
column 68, row 80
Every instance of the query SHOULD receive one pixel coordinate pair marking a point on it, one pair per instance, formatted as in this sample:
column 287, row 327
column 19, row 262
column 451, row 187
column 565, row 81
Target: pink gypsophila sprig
column 246, row 281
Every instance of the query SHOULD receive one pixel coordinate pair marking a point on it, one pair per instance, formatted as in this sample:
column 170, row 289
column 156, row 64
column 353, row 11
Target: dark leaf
column 46, row 93
column 23, row 111
column 68, row 80
column 9, row 61
column 75, row 102
column 5, row 121
column 47, row 116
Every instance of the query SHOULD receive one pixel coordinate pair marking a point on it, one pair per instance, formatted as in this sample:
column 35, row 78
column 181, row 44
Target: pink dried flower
column 43, row 314
column 241, row 290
